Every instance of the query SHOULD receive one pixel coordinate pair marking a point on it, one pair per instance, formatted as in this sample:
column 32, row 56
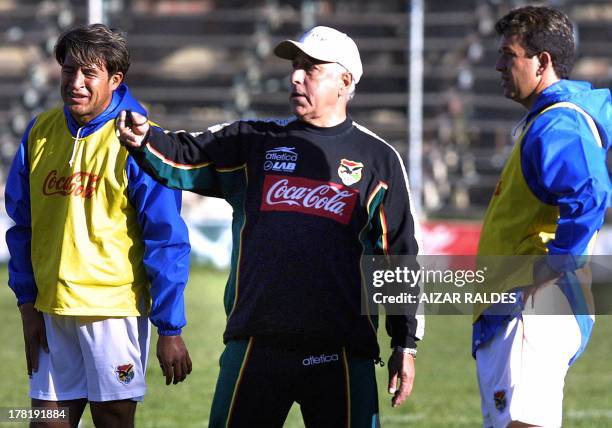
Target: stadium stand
column 197, row 63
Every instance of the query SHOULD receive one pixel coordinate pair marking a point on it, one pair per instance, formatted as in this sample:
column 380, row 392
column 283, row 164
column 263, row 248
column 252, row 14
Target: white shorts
column 521, row 371
column 100, row 359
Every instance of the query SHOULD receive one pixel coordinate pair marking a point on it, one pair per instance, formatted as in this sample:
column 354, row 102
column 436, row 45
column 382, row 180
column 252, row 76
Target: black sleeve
column 403, row 248
column 193, row 161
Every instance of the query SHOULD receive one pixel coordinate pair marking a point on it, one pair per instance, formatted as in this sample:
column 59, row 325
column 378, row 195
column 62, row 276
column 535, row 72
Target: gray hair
column 342, row 69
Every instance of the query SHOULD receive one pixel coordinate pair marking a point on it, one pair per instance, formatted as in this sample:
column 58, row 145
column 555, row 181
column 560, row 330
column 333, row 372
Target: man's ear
column 346, row 79
column 546, row 62
column 116, row 80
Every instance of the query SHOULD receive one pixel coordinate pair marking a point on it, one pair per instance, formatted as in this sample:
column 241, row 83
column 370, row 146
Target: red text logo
column 81, row 184
column 307, row 196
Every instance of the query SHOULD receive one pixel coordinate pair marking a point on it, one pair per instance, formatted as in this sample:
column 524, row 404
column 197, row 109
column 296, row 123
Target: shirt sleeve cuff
column 404, row 342
column 565, row 262
column 166, row 332
column 29, row 298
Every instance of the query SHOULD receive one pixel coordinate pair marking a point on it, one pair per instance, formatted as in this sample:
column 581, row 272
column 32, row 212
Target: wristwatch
column 409, row 351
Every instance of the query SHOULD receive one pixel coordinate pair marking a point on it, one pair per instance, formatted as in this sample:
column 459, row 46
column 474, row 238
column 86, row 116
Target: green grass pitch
column 445, row 392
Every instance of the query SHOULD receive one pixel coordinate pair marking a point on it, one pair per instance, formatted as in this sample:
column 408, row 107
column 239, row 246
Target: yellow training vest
column 516, row 224
column 86, row 245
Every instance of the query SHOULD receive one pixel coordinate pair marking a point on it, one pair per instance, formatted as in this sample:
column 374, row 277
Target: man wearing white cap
column 311, row 195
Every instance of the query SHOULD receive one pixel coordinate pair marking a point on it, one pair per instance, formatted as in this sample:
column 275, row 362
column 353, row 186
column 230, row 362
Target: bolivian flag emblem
column 350, row 171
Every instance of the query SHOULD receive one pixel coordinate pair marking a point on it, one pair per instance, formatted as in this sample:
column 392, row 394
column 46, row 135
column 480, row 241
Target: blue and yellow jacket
column 553, row 192
column 94, row 235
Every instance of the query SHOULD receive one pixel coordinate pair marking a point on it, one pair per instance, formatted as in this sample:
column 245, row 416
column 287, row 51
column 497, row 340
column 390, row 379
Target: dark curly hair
column 94, row 44
column 542, row 29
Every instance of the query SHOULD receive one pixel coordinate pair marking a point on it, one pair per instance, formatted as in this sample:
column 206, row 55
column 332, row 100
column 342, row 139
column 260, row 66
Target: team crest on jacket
column 125, row 373
column 350, row 171
column 499, row 397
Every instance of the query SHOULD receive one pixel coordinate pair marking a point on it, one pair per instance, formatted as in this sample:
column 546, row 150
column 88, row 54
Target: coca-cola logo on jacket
column 320, row 198
column 80, row 183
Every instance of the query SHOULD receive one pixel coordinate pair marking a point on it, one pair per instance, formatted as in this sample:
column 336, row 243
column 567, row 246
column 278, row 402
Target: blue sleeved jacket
column 164, row 236
column 564, row 164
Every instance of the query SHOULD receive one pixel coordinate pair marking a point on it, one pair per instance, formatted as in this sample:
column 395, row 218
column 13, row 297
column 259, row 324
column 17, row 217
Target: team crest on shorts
column 125, row 373
column 500, row 399
column 350, row 171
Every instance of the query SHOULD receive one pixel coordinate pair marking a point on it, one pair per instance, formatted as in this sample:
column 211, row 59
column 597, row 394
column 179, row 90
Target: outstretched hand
column 401, row 376
column 173, row 358
column 131, row 128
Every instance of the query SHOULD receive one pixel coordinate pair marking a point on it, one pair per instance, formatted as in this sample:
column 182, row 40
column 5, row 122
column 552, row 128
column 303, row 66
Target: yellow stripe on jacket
column 86, row 245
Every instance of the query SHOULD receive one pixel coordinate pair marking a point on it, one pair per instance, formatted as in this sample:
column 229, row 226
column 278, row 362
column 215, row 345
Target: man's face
column 87, row 90
column 314, row 89
column 520, row 74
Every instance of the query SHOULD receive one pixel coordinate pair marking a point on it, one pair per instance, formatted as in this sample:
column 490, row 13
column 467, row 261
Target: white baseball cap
column 325, row 44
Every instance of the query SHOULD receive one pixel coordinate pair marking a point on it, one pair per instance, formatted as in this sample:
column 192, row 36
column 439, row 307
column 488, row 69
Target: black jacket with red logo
column 308, row 204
